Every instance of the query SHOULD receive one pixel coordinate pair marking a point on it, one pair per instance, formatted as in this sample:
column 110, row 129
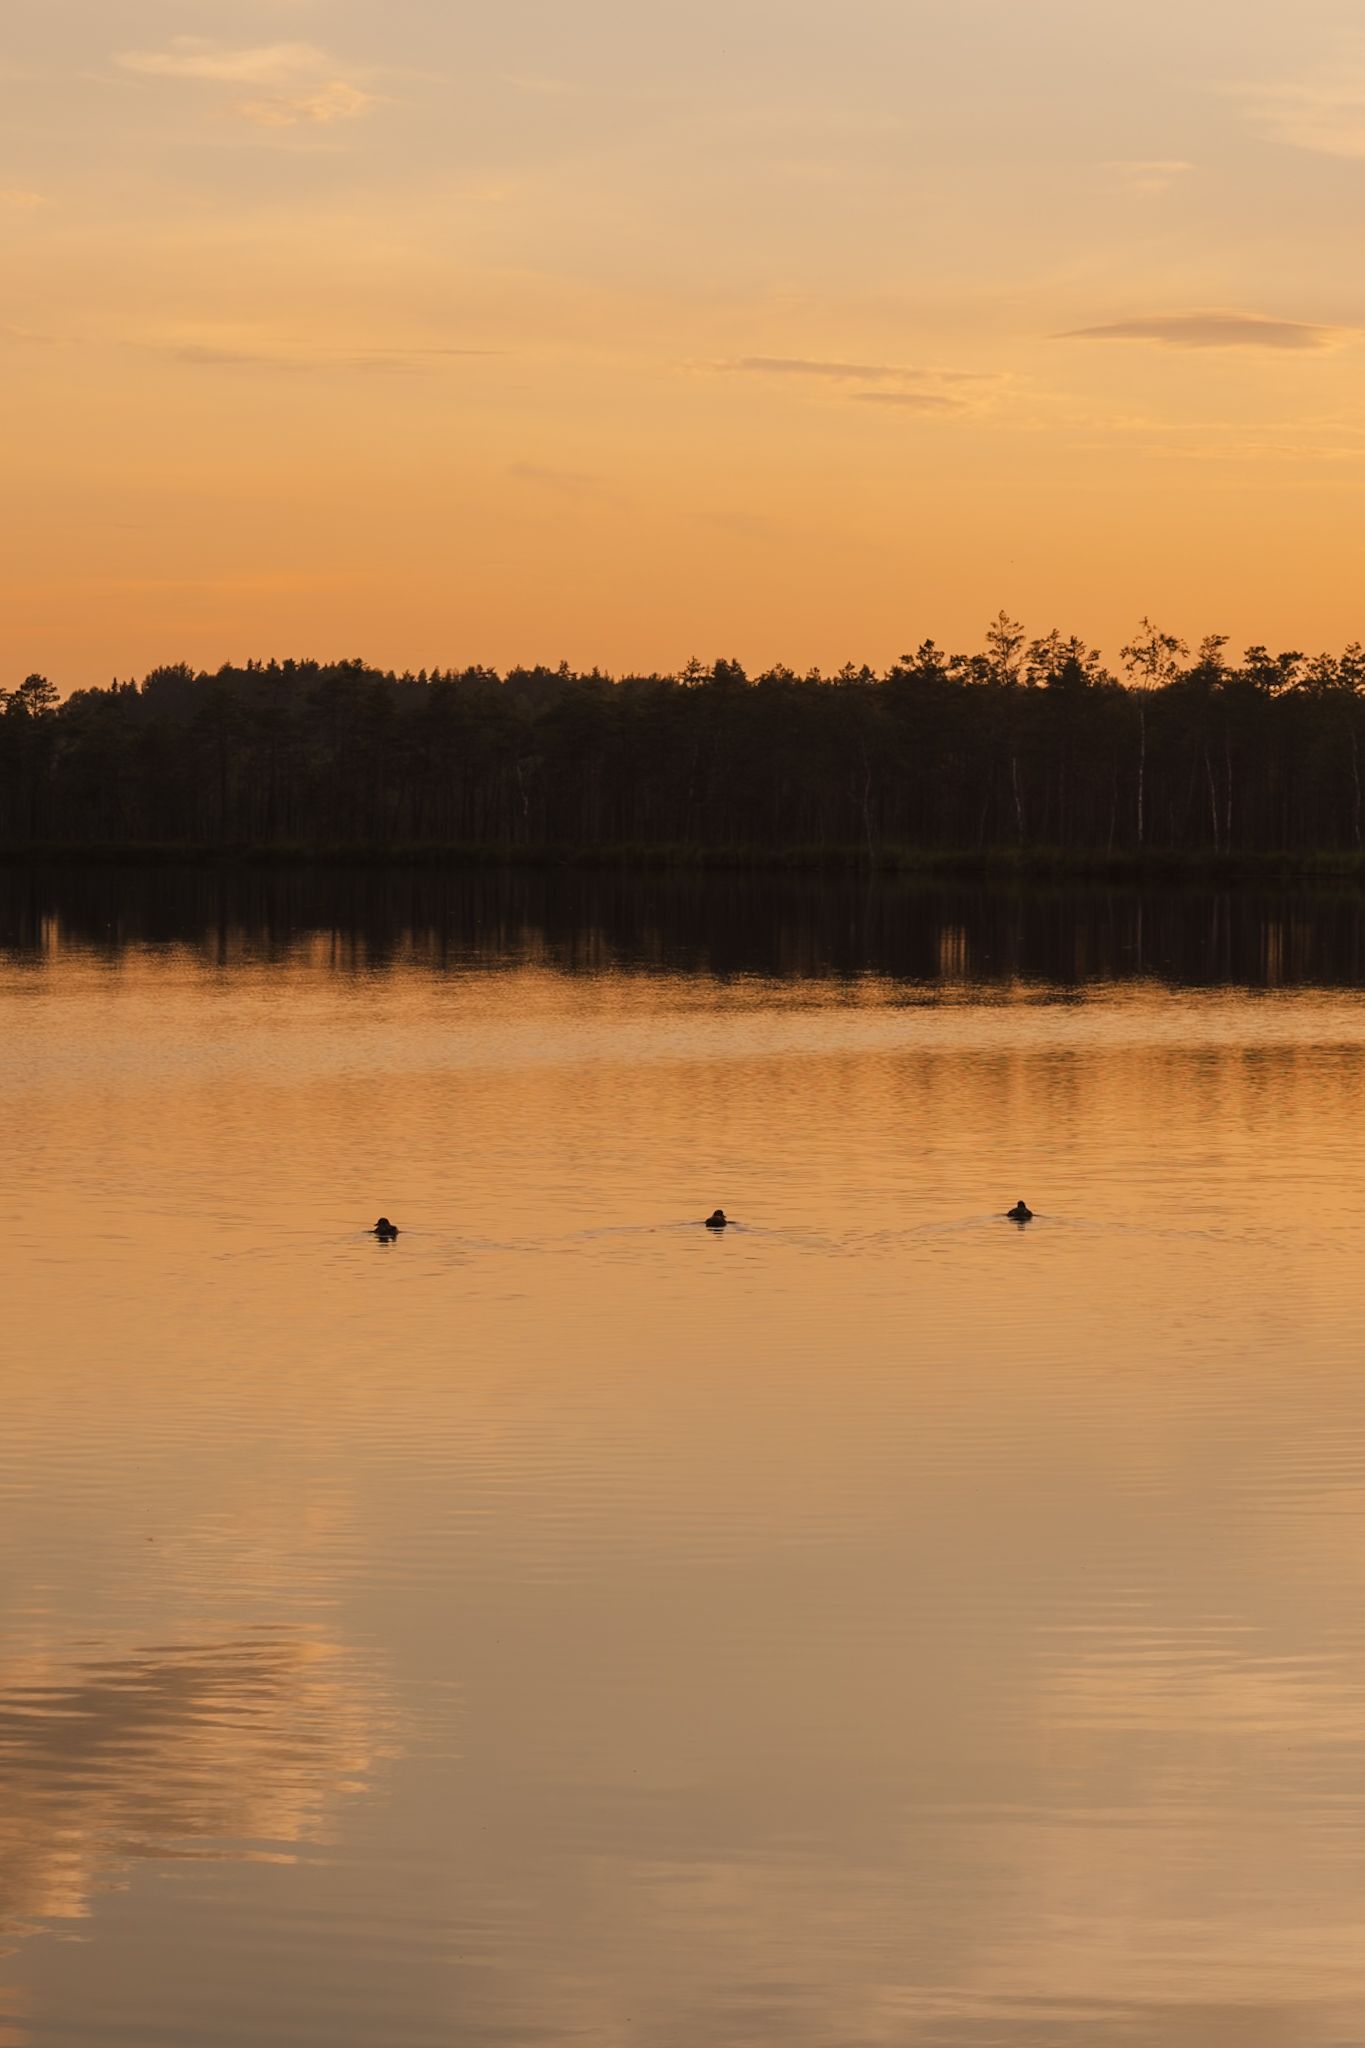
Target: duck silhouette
column 719, row 1221
column 1021, row 1212
column 385, row 1230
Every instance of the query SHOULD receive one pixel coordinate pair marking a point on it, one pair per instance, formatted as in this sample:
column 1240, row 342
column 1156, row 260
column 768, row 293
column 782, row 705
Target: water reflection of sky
column 876, row 1624
column 240, row 1749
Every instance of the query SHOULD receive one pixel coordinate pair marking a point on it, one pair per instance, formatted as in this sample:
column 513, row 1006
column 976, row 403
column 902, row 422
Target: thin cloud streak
column 335, row 102
column 1149, row 177
column 566, row 483
column 209, row 356
column 1324, row 112
column 847, row 373
column 1211, row 330
column 194, row 57
column 308, row 90
column 911, row 401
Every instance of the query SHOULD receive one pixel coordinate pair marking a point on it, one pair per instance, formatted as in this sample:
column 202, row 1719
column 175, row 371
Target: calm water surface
column 878, row 1625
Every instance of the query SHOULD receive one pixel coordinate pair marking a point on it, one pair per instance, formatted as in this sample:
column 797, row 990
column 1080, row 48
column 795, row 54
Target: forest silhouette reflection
column 717, row 924
column 232, row 1750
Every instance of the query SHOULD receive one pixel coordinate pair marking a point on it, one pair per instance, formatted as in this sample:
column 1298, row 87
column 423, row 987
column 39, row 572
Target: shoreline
column 993, row 866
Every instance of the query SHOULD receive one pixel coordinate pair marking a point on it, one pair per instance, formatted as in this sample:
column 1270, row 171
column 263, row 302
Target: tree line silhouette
column 1028, row 747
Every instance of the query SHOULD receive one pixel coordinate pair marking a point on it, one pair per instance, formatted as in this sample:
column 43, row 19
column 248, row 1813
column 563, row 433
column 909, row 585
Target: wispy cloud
column 205, row 356
column 1211, row 330
column 337, row 101
column 1259, row 451
column 301, row 362
column 912, row 401
column 196, row 57
column 298, row 84
column 16, row 200
column 1324, row 111
column 1148, row 177
column 910, row 387
column 844, row 373
column 564, row 483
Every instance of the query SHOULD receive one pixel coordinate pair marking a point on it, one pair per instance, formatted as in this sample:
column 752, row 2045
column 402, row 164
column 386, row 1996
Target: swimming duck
column 1021, row 1212
column 719, row 1221
column 383, row 1228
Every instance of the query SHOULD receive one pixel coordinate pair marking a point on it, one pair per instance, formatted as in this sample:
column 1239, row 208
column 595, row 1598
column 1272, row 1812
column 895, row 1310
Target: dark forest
column 1031, row 748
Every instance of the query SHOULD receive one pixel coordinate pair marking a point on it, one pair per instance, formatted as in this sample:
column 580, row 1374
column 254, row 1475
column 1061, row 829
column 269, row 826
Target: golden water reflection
column 242, row 1748
column 875, row 1626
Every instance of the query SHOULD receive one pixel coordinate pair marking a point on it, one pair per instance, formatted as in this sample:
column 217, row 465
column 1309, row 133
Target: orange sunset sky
column 620, row 331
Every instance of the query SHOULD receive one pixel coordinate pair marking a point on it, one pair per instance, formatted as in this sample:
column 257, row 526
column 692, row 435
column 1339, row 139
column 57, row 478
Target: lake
column 875, row 1625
